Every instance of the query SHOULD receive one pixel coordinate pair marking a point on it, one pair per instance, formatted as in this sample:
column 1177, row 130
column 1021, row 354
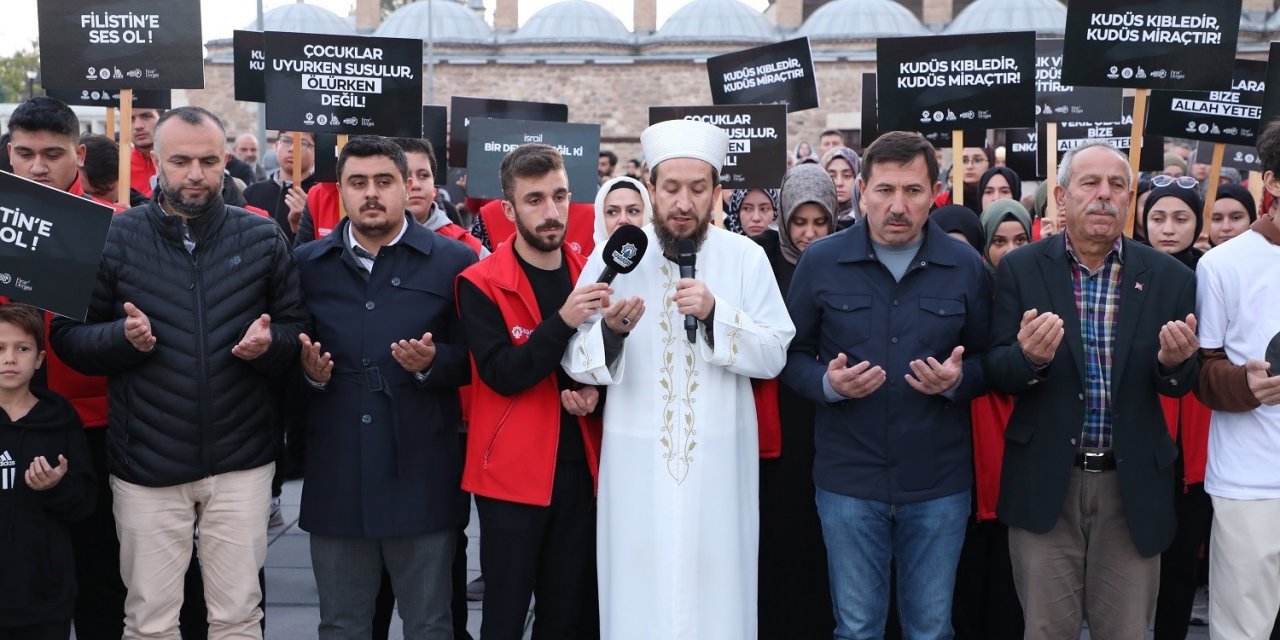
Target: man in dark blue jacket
column 891, row 320
column 383, row 461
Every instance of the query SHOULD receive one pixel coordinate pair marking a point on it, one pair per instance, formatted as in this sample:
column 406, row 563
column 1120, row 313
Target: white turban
column 685, row 139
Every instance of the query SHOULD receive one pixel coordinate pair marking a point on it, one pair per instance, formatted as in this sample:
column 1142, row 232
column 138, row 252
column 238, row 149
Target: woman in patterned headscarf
column 751, row 211
column 843, row 165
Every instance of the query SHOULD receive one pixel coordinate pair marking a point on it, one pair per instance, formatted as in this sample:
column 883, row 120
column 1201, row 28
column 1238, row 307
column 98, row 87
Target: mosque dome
column 303, row 18
column 1045, row 17
column 572, row 22
column 860, row 20
column 716, row 21
column 451, row 23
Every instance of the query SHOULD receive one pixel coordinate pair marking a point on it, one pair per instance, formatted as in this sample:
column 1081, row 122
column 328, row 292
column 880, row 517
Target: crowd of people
column 856, row 405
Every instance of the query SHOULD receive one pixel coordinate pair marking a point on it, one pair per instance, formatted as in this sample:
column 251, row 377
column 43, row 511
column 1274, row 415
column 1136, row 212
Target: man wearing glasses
column 277, row 194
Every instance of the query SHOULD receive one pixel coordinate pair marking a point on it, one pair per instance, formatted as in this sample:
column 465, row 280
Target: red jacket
column 511, row 447
column 1194, row 443
column 322, row 202
column 579, row 233
column 768, row 416
column 141, row 168
column 990, row 415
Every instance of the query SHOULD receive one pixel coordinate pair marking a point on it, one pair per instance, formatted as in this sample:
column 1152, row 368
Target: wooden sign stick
column 1135, row 150
column 126, row 151
column 1051, row 175
column 957, row 166
column 111, row 123
column 1211, row 186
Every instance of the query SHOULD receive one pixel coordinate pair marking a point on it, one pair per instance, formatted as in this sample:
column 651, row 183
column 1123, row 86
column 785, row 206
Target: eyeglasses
column 1186, row 182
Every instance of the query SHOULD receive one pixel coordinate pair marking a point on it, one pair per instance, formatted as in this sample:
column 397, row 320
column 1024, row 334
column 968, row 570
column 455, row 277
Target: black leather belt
column 1095, row 461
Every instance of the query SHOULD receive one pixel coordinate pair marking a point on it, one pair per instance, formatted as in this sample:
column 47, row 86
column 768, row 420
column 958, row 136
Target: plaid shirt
column 1097, row 296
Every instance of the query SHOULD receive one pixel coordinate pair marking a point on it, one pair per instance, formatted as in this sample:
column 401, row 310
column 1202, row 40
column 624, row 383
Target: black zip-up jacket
column 188, row 409
column 36, row 555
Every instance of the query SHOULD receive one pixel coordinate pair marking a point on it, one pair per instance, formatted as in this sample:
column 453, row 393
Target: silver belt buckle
column 1093, row 455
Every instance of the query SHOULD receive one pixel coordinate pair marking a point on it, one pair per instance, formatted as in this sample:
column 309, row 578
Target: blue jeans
column 924, row 538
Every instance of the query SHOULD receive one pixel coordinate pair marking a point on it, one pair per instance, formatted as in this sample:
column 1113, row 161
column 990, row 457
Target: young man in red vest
column 531, row 453
column 142, row 165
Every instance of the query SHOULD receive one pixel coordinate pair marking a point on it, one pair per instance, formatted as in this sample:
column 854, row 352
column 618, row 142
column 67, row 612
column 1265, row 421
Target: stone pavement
column 293, row 610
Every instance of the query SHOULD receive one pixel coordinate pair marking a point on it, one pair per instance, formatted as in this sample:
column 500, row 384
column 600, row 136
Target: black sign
column 114, row 44
column 1153, row 44
column 50, row 246
column 493, row 139
column 326, row 164
column 757, row 156
column 871, row 121
column 1057, row 102
column 250, row 65
column 779, row 73
column 1230, row 115
column 142, row 98
column 941, row 83
column 1242, row 158
column 1020, row 150
column 435, row 129
column 343, row 84
column 1271, row 99
column 464, row 110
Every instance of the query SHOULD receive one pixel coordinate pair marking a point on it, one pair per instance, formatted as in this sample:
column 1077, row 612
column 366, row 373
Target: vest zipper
column 502, row 422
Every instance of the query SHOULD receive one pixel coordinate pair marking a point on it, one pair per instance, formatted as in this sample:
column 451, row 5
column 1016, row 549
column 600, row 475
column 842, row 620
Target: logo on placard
column 1126, row 73
column 924, row 116
column 309, row 118
column 626, row 255
column 1114, row 73
column 84, row 95
column 1203, row 128
column 322, row 119
column 134, row 73
column 1191, row 127
column 1159, row 73
column 1140, row 74
column 1214, row 129
column 104, row 73
column 351, row 122
column 5, row 278
column 968, row 115
column 938, row 116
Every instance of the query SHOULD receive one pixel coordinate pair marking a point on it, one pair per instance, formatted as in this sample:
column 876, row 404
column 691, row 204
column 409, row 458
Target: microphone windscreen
column 625, row 248
column 686, row 254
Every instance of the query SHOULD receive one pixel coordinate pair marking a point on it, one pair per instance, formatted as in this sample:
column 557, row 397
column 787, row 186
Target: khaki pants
column 156, row 525
column 1117, row 592
column 1244, row 568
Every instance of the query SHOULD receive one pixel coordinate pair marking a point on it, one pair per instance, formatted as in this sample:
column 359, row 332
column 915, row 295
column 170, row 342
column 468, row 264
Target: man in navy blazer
column 1089, row 328
column 383, row 461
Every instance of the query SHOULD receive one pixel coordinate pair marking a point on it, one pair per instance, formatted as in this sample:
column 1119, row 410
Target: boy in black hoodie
column 40, row 491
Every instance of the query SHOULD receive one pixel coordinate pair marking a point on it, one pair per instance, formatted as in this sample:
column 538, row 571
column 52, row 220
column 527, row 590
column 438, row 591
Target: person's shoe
column 475, row 590
column 1200, row 608
column 275, row 518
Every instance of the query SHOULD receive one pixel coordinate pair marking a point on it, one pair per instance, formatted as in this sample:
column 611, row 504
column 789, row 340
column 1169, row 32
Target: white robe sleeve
column 751, row 340
column 584, row 359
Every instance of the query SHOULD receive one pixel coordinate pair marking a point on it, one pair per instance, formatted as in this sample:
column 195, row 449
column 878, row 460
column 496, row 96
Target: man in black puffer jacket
column 197, row 306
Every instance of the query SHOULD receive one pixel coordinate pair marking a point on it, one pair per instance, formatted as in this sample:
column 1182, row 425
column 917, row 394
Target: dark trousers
column 42, row 631
column 548, row 553
column 1179, row 562
column 986, row 603
column 386, row 601
column 99, row 613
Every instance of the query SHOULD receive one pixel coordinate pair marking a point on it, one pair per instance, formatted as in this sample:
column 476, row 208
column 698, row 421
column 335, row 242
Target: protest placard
column 1229, row 116
column 249, row 64
column 142, row 98
column 117, row 44
column 343, row 84
column 871, row 121
column 492, row 139
column 1151, row 44
column 1058, row 102
column 463, row 110
column 50, row 246
column 944, row 83
column 757, row 156
column 435, row 129
column 1020, row 147
column 778, row 73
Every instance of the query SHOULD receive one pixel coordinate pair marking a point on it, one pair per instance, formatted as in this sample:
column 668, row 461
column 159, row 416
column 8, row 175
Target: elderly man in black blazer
column 1089, row 328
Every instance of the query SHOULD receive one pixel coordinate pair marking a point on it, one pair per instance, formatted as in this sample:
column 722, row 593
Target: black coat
column 384, row 462
column 36, row 553
column 1043, row 433
column 188, row 409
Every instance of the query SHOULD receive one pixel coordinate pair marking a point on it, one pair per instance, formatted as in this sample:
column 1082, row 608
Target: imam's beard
column 376, row 228
column 668, row 239
column 536, row 241
column 190, row 207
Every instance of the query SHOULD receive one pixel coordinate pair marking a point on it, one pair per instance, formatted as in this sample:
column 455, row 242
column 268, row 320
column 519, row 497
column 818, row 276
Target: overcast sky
column 221, row 17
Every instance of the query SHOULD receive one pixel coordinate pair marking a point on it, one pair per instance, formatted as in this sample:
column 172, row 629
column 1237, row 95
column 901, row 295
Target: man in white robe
column 678, row 521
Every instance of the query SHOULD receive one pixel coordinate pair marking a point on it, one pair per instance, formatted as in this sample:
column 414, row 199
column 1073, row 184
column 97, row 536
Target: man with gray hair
column 196, row 308
column 1089, row 328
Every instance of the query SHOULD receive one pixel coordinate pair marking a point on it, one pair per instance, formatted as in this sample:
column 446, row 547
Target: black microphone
column 623, row 252
column 686, row 256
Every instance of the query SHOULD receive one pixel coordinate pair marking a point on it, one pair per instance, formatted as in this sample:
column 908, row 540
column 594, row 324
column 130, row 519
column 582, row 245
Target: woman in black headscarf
column 1172, row 218
column 1233, row 212
column 999, row 183
column 961, row 223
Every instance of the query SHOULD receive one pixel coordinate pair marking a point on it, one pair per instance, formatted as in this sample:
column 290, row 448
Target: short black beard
column 670, row 242
column 535, row 241
column 190, row 207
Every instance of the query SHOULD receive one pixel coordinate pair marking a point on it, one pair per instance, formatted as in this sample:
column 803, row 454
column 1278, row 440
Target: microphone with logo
column 686, row 256
column 623, row 252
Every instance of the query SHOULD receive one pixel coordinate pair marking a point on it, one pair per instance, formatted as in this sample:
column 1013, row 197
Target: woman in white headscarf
column 619, row 201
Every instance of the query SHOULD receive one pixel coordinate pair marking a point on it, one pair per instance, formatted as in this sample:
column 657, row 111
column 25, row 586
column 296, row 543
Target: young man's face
column 52, row 159
column 373, row 192
column 421, row 186
column 540, row 210
column 144, row 127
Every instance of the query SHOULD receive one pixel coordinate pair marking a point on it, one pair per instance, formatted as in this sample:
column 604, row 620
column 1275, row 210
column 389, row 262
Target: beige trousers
column 1086, row 568
column 1244, row 568
column 156, row 526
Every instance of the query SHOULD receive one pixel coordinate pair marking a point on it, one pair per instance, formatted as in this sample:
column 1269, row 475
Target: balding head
column 246, row 148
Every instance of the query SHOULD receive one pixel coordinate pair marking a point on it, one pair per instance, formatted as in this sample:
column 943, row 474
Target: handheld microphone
column 686, row 256
column 623, row 252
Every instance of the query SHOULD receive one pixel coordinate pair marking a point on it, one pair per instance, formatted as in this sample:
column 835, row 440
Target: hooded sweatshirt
column 36, row 555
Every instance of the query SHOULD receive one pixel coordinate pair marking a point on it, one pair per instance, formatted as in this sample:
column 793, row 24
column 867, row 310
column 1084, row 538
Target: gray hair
column 1064, row 167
